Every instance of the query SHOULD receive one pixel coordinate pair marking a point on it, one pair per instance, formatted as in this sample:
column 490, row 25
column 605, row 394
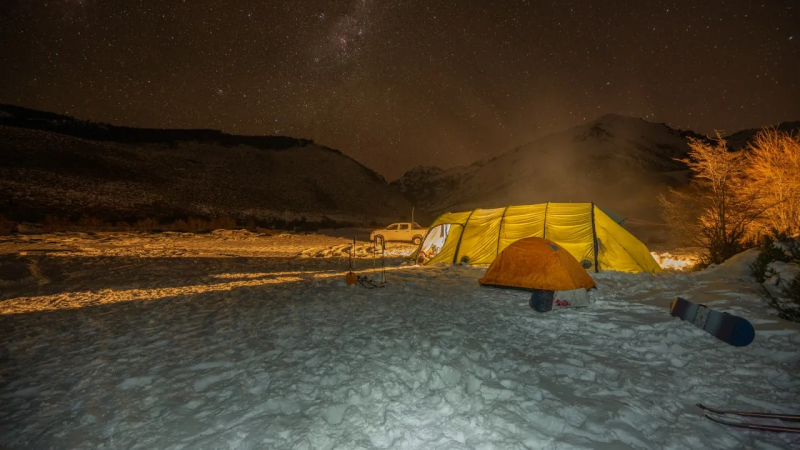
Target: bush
column 91, row 223
column 223, row 222
column 787, row 310
column 792, row 251
column 792, row 290
column 716, row 213
column 146, row 225
column 788, row 251
column 56, row 223
column 769, row 253
column 735, row 197
column 196, row 225
column 702, row 263
column 772, row 171
column 6, row 226
column 178, row 225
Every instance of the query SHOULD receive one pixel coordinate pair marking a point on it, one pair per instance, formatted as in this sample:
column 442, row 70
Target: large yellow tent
column 583, row 229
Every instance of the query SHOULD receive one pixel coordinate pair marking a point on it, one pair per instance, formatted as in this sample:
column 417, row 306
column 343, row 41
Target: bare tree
column 772, row 170
column 715, row 212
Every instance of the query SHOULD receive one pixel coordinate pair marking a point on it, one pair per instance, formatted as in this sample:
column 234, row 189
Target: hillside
column 739, row 139
column 170, row 174
column 620, row 162
column 604, row 161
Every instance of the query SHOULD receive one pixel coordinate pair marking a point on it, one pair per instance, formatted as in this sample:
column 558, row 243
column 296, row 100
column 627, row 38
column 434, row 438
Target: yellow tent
column 583, row 229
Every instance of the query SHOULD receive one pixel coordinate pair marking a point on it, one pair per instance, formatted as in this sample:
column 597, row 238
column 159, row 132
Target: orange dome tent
column 537, row 263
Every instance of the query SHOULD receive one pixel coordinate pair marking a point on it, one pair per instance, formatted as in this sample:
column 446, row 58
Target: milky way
column 398, row 83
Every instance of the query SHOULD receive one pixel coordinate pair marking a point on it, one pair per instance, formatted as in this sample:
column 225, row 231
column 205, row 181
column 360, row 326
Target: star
column 401, row 83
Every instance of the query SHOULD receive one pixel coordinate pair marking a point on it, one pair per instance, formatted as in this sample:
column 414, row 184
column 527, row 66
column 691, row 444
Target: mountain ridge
column 620, row 161
column 607, row 159
column 51, row 164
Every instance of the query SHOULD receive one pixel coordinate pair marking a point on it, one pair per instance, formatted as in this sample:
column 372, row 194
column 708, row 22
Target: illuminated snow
column 184, row 341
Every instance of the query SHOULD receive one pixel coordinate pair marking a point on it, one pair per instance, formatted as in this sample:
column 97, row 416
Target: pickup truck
column 404, row 231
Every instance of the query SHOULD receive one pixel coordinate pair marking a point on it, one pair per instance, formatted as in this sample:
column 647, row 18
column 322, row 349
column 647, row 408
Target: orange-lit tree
column 772, row 171
column 716, row 212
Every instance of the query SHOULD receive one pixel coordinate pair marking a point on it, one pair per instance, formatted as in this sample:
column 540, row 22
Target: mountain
column 739, row 139
column 620, row 162
column 615, row 160
column 56, row 165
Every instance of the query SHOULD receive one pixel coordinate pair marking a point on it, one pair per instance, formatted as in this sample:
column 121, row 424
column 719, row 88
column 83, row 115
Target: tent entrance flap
column 435, row 240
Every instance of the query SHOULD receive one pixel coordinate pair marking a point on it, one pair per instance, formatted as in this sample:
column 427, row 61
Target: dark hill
column 17, row 116
column 56, row 165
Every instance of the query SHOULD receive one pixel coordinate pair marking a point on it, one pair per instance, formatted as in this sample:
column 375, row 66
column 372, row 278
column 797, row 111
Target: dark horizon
column 399, row 84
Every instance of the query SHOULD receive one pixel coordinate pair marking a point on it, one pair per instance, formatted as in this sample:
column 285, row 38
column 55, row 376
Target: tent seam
column 500, row 230
column 458, row 245
column 594, row 243
column 544, row 225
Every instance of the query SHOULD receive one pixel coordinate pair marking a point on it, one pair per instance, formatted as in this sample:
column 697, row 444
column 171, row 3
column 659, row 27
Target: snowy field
column 240, row 341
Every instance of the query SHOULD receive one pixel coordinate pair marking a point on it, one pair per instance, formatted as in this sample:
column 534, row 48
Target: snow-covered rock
column 735, row 268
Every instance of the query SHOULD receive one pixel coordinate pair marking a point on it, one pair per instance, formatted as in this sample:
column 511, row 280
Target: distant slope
column 620, row 162
column 169, row 174
column 18, row 116
column 739, row 139
column 614, row 160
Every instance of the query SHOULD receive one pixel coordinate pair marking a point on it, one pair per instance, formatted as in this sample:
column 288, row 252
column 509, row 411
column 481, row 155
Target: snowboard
column 734, row 330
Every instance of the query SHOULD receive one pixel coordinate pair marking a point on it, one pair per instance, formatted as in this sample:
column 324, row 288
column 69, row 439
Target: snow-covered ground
column 240, row 341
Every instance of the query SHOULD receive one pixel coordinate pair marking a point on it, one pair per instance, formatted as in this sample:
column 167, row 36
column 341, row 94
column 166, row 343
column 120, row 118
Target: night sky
column 397, row 83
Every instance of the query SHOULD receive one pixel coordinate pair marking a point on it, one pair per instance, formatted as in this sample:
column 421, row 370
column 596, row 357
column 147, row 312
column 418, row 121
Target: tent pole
column 461, row 236
column 594, row 241
column 544, row 227
column 500, row 230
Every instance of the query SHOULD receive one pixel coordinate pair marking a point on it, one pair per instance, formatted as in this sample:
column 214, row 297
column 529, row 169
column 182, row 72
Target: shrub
column 716, row 213
column 787, row 310
column 772, row 171
column 196, row 225
column 787, row 251
column 6, row 226
column 178, row 225
column 792, row 290
column 146, row 225
column 56, row 223
column 122, row 226
column 91, row 223
column 223, row 222
column 769, row 253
